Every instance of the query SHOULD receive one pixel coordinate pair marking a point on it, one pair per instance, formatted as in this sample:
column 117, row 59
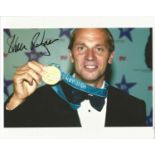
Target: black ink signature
column 15, row 46
column 36, row 43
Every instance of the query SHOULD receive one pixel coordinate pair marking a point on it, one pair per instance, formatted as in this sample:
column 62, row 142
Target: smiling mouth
column 91, row 67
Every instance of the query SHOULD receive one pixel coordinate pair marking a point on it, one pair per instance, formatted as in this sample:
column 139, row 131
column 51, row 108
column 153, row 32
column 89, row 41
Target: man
column 91, row 51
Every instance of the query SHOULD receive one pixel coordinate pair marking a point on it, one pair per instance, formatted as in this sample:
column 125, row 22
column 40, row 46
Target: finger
column 31, row 72
column 18, row 79
column 22, row 70
column 36, row 77
column 27, row 70
column 38, row 68
column 38, row 64
column 24, row 67
column 34, row 84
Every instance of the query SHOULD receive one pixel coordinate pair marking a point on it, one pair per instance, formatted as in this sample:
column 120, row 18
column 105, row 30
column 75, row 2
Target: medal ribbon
column 77, row 84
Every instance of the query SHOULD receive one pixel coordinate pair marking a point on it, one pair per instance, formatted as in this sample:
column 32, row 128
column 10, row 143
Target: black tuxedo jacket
column 45, row 108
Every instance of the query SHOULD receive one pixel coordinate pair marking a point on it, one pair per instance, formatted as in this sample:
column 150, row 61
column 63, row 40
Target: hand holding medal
column 26, row 81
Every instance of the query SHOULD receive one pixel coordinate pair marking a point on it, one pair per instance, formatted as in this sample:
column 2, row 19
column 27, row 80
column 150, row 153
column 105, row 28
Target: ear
column 71, row 56
column 111, row 57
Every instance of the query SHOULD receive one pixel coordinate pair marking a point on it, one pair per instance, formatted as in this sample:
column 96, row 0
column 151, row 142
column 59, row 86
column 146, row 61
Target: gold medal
column 51, row 75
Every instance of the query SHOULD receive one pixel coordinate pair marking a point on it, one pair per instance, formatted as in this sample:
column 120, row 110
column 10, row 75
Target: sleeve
column 25, row 114
column 142, row 114
column 19, row 116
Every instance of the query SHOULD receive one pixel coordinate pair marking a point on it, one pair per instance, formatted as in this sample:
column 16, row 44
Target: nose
column 90, row 54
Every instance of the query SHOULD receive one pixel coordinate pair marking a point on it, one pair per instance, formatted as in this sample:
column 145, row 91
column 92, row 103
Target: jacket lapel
column 112, row 107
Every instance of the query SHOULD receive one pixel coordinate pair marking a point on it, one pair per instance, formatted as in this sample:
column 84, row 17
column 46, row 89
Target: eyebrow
column 101, row 45
column 86, row 45
column 79, row 44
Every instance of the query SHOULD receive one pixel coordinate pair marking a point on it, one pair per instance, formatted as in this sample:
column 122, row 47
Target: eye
column 99, row 49
column 81, row 48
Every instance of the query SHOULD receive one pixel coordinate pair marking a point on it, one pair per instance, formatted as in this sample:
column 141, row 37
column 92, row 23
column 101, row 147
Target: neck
column 98, row 83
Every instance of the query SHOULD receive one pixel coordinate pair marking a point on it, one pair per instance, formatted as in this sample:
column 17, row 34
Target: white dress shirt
column 90, row 117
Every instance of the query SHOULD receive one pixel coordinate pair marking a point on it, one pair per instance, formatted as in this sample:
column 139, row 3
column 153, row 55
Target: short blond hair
column 110, row 39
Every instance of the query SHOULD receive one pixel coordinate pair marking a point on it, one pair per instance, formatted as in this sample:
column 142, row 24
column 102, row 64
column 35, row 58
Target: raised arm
column 25, row 80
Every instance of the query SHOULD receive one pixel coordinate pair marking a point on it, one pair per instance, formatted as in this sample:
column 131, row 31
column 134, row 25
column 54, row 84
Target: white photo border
column 65, row 22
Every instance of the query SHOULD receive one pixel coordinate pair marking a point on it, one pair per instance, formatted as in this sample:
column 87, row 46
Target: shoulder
column 45, row 89
column 42, row 94
column 48, row 88
column 124, row 109
column 122, row 97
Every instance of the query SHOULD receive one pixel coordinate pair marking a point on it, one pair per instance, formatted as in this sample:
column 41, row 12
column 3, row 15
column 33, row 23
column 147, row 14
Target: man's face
column 90, row 55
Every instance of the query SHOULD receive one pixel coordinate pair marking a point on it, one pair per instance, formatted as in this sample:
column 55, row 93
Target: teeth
column 90, row 67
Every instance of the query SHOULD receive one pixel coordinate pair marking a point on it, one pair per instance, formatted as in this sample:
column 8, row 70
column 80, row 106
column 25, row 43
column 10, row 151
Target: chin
column 89, row 78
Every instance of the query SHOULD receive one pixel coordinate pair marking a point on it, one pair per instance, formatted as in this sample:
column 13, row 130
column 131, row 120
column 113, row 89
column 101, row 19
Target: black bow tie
column 95, row 101
column 76, row 97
